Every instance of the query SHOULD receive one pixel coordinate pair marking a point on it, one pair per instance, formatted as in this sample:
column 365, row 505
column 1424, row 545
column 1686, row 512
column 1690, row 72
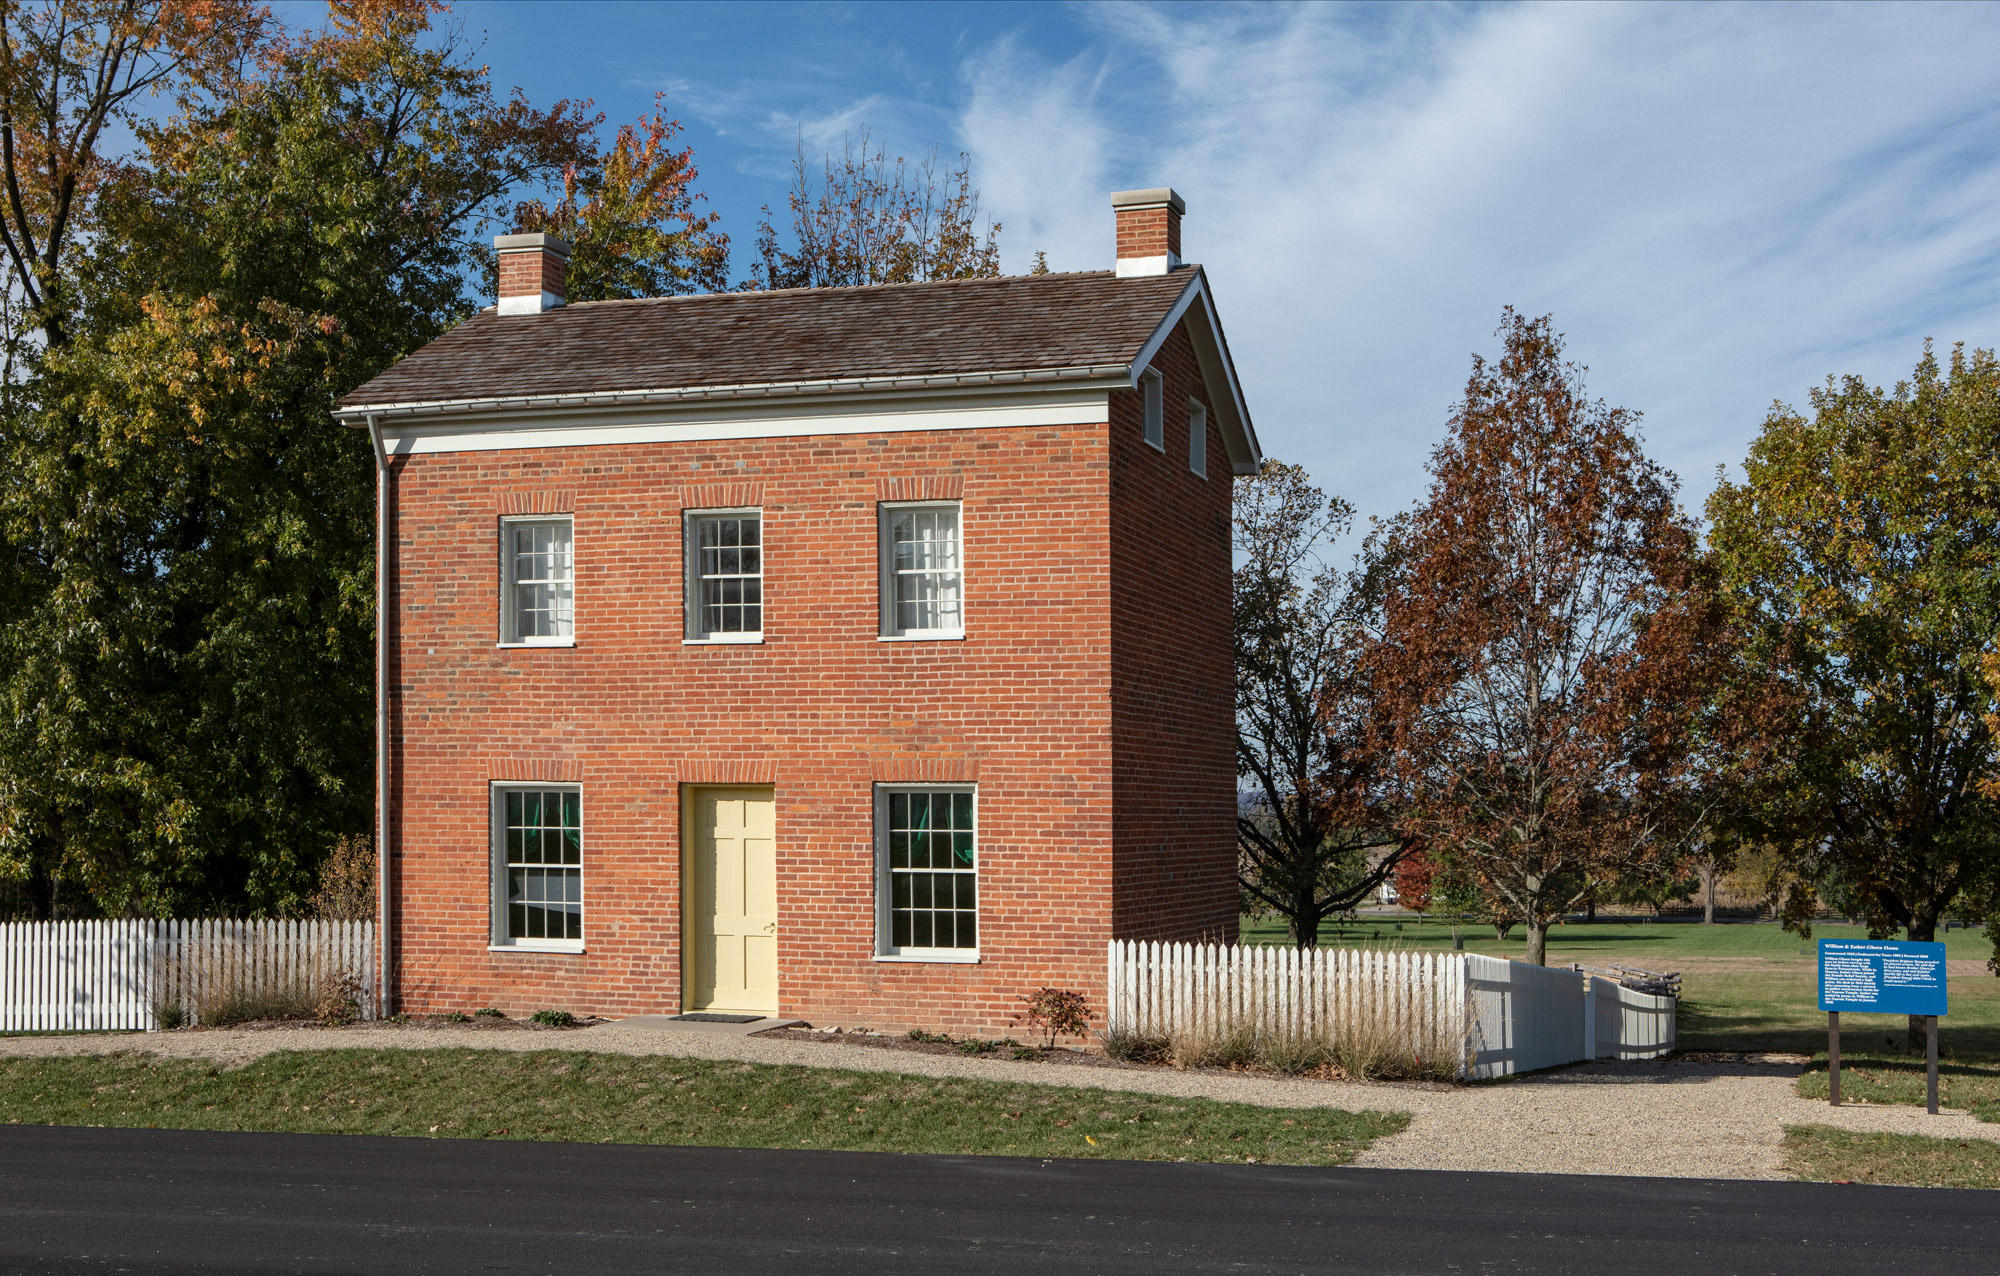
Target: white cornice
column 1106, row 374
column 705, row 420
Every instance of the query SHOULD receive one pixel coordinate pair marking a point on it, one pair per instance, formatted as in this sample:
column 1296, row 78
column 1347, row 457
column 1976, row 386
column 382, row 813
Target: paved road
column 74, row 1200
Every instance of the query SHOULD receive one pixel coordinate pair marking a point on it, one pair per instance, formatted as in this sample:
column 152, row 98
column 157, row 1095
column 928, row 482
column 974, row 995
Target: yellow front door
column 731, row 900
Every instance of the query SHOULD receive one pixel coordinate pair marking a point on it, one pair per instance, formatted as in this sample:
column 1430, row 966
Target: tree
column 70, row 70
column 1546, row 641
column 630, row 219
column 863, row 220
column 1304, row 708
column 1861, row 555
column 185, row 663
column 1414, row 879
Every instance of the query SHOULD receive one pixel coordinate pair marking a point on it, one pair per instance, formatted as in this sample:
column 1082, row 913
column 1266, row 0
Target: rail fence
column 84, row 976
column 1504, row 1016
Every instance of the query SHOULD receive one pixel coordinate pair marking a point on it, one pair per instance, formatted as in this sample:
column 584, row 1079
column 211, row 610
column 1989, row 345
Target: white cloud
column 1719, row 205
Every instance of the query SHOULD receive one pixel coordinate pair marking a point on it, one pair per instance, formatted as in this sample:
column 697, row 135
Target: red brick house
column 858, row 655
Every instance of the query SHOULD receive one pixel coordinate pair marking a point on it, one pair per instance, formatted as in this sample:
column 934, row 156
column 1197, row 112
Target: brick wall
column 1173, row 685
column 1025, row 707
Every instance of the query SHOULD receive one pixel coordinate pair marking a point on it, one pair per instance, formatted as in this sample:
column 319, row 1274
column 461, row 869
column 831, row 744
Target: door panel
column 731, row 900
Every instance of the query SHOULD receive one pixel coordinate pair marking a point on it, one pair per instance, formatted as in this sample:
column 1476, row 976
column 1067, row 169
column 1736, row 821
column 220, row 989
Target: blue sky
column 1720, row 205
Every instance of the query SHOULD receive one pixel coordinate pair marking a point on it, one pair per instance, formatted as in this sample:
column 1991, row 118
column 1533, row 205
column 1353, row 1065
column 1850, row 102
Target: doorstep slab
column 669, row 1023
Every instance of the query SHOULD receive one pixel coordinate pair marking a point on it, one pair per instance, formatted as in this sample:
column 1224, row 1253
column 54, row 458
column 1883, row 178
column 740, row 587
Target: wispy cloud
column 1720, row 205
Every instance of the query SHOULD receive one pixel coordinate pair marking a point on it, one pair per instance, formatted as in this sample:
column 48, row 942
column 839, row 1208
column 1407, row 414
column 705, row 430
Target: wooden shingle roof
column 1025, row 323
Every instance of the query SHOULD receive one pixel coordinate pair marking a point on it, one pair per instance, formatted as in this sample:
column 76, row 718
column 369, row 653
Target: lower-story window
column 928, row 879
column 538, row 866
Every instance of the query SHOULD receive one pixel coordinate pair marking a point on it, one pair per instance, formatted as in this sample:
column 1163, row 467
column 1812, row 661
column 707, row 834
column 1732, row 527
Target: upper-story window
column 1153, row 391
column 725, row 576
column 923, row 571
column 538, row 570
column 1198, row 439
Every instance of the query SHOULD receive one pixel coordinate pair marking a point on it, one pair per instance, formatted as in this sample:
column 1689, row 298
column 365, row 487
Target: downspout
column 385, row 901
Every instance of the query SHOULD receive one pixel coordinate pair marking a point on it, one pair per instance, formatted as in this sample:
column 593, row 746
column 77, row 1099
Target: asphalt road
column 77, row 1200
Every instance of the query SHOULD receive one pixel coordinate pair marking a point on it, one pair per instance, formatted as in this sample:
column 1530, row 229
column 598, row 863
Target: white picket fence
column 1505, row 1016
column 83, row 976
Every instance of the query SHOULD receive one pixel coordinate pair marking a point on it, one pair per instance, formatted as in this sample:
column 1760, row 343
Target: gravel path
column 1664, row 1119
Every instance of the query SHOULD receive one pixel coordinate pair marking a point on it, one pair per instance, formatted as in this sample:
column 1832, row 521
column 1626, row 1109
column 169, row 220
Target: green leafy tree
column 1862, row 555
column 187, row 658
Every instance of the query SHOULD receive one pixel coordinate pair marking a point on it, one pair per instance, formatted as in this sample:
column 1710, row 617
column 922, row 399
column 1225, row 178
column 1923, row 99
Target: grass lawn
column 1822, row 1154
column 1745, row 985
column 1970, row 1085
column 572, row 1096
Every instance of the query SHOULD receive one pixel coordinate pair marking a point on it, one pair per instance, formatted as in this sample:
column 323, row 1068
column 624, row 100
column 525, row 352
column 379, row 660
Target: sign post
column 1881, row 976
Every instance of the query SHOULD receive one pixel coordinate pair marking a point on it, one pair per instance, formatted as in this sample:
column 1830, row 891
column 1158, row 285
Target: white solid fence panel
column 108, row 975
column 1506, row 1016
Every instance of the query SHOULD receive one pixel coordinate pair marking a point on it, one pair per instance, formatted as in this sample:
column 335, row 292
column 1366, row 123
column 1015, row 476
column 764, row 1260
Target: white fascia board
column 538, row 404
column 704, row 421
column 1246, row 455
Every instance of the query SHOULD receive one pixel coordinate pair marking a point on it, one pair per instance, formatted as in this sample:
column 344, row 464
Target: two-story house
column 860, row 655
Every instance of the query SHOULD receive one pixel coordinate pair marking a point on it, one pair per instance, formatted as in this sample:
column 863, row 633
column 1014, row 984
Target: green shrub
column 554, row 1018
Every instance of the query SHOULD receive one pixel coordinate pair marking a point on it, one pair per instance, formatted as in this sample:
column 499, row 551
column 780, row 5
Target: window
column 1198, row 439
column 725, row 576
column 539, row 592
column 929, row 879
column 923, row 575
column 1153, row 387
column 538, row 867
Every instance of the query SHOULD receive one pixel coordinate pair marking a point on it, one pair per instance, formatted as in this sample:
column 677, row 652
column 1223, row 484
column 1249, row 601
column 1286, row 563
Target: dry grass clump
column 1363, row 1050
column 232, row 993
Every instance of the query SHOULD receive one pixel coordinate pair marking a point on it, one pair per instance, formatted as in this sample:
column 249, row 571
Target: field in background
column 1745, row 985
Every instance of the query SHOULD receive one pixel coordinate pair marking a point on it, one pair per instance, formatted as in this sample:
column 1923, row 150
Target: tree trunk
column 41, row 893
column 1706, row 871
column 1590, row 909
column 1538, row 942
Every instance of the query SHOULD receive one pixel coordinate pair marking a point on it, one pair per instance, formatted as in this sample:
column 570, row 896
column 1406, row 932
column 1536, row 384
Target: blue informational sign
column 1885, row 976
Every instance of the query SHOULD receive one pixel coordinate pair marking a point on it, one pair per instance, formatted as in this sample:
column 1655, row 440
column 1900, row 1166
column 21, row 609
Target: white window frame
column 885, row 514
column 885, row 946
column 498, row 938
column 509, row 636
column 1153, row 405
column 692, row 633
column 1198, row 437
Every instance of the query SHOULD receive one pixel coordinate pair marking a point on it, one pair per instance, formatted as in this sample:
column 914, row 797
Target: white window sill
column 529, row 646
column 724, row 640
column 534, row 946
column 946, row 956
column 954, row 636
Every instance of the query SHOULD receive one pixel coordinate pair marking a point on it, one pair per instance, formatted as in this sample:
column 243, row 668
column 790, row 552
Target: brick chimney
column 532, row 268
column 1149, row 231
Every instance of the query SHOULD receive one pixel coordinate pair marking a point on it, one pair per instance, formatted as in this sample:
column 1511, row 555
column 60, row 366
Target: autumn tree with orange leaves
column 633, row 219
column 1547, row 644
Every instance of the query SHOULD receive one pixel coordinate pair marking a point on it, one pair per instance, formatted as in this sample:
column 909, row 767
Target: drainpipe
column 385, row 903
